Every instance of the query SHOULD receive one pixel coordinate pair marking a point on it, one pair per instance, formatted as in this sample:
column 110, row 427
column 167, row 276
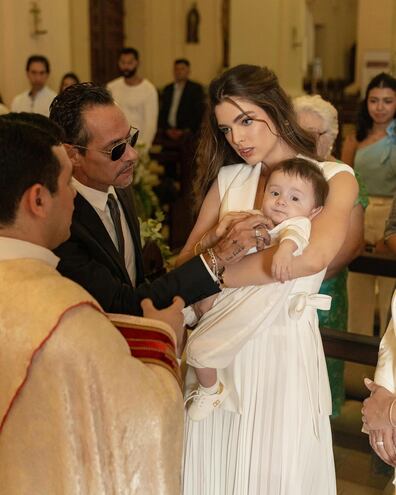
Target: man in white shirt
column 78, row 412
column 39, row 97
column 137, row 96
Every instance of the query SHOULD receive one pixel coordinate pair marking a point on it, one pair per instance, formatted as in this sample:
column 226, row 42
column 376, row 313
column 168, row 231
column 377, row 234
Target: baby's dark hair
column 307, row 171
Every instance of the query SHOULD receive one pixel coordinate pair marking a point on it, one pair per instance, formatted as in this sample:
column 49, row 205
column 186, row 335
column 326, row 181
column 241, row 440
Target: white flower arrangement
column 150, row 215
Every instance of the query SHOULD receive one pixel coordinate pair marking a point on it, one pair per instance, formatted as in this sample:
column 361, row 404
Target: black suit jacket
column 90, row 258
column 190, row 110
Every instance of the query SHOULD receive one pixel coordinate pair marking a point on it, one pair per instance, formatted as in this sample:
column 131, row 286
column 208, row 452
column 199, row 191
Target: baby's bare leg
column 207, row 377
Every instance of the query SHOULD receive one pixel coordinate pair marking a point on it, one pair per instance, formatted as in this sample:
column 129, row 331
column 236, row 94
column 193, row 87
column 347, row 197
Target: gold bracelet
column 217, row 270
column 390, row 414
column 198, row 246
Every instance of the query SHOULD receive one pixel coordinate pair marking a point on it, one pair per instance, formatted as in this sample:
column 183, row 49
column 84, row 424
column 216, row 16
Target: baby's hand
column 282, row 262
column 203, row 306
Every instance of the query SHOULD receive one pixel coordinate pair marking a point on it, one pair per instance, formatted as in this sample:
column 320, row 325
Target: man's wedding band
column 380, row 443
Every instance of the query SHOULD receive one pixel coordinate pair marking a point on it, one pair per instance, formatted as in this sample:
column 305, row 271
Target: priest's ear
column 35, row 200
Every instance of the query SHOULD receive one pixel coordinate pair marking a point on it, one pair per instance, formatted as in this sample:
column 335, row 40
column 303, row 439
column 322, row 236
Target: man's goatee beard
column 129, row 73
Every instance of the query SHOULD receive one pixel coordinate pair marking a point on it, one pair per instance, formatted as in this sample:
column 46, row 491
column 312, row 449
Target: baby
column 295, row 192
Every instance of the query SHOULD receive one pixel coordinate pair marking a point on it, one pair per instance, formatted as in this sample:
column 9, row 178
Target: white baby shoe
column 203, row 404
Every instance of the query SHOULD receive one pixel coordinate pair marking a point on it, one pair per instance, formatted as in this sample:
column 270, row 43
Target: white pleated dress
column 272, row 434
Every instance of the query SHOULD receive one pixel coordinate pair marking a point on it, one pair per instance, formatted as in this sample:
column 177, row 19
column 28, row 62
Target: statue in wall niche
column 193, row 19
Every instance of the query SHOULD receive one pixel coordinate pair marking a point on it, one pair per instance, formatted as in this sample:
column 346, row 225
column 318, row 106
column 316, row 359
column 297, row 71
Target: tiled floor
column 349, row 488
column 357, row 473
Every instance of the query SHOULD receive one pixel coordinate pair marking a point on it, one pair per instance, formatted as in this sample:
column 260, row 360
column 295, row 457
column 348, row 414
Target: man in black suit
column 182, row 103
column 103, row 253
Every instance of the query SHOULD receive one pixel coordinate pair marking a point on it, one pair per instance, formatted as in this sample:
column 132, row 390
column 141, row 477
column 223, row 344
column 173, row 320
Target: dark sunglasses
column 117, row 150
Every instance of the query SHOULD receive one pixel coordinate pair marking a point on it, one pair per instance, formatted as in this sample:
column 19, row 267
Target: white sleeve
column 298, row 230
column 385, row 372
column 15, row 104
column 330, row 169
column 151, row 115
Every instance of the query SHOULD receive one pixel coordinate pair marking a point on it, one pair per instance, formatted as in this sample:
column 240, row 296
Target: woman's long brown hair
column 260, row 86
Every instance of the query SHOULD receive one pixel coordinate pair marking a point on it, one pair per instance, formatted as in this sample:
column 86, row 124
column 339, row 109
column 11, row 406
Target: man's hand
column 376, row 407
column 172, row 315
column 238, row 232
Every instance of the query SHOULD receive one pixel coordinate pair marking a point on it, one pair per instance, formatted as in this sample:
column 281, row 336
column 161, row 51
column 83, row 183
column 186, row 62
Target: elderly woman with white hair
column 320, row 117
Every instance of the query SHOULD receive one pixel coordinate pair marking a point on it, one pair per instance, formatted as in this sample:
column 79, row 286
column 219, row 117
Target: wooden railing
column 352, row 346
column 375, row 264
column 348, row 346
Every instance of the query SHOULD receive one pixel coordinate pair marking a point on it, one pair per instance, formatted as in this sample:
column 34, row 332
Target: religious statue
column 193, row 19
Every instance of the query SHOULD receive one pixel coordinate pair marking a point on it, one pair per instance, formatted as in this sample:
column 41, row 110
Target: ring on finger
column 260, row 243
column 380, row 442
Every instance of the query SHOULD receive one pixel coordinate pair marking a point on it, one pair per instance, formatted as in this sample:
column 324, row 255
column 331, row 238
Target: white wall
column 264, row 32
column 261, row 32
column 80, row 39
column 17, row 42
column 376, row 30
column 157, row 29
column 338, row 21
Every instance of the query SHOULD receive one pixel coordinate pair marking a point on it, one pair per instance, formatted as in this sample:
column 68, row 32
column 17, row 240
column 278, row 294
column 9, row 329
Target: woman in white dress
column 272, row 436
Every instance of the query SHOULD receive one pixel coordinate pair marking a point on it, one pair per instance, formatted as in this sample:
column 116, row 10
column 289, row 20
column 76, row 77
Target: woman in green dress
column 320, row 117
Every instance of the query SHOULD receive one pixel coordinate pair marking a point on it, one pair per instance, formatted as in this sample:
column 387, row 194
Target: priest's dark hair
column 26, row 158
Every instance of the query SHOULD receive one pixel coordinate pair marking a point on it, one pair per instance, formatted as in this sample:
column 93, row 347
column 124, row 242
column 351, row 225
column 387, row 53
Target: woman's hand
column 376, row 407
column 383, row 443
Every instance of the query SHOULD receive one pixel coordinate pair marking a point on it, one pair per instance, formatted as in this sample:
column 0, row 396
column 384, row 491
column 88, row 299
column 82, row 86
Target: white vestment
column 78, row 414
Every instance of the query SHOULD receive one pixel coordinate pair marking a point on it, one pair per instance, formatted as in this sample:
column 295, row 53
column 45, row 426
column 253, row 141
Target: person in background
column 320, row 118
column 38, row 98
column 3, row 108
column 137, row 96
column 390, row 229
column 78, row 412
column 182, row 103
column 372, row 152
column 67, row 80
column 379, row 409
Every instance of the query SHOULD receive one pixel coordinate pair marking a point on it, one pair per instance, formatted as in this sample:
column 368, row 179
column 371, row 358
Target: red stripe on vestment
column 155, row 347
